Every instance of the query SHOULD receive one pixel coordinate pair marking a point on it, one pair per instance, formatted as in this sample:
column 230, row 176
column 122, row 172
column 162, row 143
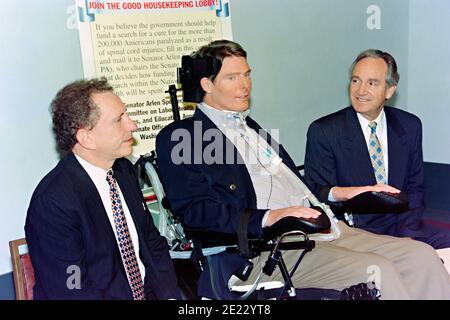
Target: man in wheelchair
column 223, row 173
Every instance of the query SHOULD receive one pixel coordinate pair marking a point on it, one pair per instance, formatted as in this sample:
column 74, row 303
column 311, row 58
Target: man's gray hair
column 392, row 76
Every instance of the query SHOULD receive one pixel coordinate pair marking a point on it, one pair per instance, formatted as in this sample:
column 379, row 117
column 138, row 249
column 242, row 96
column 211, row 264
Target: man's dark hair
column 392, row 76
column 220, row 49
column 73, row 109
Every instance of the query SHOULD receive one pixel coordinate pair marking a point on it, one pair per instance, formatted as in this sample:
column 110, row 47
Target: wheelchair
column 191, row 250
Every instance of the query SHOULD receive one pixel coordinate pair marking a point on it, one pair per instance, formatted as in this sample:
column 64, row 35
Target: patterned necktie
column 125, row 244
column 376, row 154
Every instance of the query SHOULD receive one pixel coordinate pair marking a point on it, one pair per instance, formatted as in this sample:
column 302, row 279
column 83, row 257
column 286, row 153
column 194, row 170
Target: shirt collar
column 96, row 173
column 224, row 118
column 380, row 120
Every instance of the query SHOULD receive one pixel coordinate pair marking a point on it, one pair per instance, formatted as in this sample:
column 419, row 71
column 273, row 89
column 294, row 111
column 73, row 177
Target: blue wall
column 429, row 74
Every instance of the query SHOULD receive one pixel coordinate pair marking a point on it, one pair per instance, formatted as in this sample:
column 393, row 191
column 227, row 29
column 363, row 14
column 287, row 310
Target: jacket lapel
column 238, row 171
column 355, row 151
column 133, row 200
column 89, row 197
column 397, row 149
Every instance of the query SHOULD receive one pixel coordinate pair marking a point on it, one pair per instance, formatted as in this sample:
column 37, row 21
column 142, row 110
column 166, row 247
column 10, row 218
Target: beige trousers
column 402, row 268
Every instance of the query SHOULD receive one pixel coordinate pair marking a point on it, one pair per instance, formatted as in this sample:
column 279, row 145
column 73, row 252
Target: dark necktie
column 125, row 244
column 376, row 154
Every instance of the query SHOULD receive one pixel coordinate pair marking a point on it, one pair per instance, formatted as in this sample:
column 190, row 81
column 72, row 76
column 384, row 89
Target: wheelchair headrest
column 377, row 202
column 307, row 225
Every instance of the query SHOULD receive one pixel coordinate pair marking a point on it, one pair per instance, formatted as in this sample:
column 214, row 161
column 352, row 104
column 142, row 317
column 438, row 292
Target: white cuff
column 264, row 219
column 330, row 195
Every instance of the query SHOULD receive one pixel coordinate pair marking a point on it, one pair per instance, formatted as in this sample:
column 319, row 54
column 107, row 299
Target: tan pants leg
column 403, row 268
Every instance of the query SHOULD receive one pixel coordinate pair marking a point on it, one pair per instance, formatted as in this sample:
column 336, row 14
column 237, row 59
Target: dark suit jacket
column 210, row 196
column 67, row 225
column 337, row 155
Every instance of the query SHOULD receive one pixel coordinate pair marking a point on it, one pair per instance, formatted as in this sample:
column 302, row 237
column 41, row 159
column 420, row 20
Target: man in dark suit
column 222, row 172
column 339, row 163
column 88, row 234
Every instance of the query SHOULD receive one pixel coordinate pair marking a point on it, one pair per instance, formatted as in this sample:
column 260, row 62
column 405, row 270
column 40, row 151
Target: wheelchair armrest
column 377, row 202
column 306, row 225
column 209, row 239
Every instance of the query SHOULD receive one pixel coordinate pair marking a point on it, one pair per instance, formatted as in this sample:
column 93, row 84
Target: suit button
column 233, row 187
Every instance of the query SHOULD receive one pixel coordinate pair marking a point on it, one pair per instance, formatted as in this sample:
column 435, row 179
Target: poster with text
column 137, row 45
